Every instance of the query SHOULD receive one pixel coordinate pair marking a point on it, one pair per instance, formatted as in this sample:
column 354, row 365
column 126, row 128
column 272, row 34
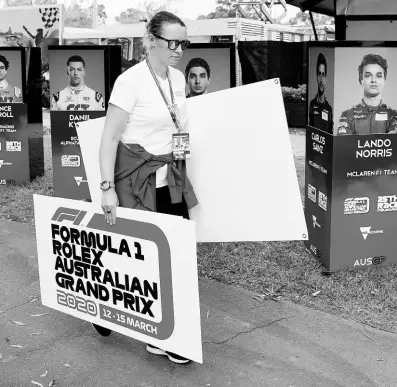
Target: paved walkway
column 245, row 343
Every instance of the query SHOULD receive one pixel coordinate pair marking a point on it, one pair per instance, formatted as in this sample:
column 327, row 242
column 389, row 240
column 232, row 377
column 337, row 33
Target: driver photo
column 371, row 115
column 8, row 93
column 320, row 110
column 77, row 95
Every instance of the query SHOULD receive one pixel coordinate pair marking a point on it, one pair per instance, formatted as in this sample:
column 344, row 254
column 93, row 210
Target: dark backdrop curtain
column 268, row 59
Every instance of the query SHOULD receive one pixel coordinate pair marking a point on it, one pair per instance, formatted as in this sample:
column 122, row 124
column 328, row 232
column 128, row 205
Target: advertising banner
column 137, row 277
column 79, row 90
column 220, row 73
column 321, row 88
column 358, row 77
column 364, row 201
column 69, row 176
column 318, row 191
column 14, row 149
column 256, row 195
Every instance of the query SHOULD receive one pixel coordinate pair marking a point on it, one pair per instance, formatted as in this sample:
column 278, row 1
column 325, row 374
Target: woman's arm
column 115, row 123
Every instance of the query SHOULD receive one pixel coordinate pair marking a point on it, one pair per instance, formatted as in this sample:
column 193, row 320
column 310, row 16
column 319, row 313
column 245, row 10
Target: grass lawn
column 274, row 270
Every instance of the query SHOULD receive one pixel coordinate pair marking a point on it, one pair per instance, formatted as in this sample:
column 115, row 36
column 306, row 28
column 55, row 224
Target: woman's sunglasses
column 174, row 44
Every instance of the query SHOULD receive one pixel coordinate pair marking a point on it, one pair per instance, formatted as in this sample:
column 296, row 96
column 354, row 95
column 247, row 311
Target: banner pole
column 237, row 37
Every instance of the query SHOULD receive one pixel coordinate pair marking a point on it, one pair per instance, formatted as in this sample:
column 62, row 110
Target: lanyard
column 171, row 108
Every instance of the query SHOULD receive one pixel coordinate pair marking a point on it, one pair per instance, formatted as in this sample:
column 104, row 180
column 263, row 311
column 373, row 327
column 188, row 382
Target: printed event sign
column 70, row 179
column 14, row 149
column 351, row 198
column 318, row 189
column 138, row 277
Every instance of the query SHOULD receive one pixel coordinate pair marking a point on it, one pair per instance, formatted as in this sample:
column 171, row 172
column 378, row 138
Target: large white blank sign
column 242, row 167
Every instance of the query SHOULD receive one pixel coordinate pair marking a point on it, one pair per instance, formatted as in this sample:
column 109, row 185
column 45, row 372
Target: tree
column 102, row 16
column 76, row 16
column 17, row 3
column 228, row 9
column 224, row 9
column 304, row 18
column 150, row 7
column 145, row 11
column 44, row 2
column 130, row 16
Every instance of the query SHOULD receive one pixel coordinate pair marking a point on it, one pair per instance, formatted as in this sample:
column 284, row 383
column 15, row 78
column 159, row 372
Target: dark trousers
column 164, row 205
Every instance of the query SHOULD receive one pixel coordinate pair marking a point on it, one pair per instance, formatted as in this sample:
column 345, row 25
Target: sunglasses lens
column 173, row 44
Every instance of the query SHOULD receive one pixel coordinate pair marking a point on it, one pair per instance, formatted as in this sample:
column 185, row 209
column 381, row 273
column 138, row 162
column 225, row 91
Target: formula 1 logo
column 365, row 231
column 63, row 213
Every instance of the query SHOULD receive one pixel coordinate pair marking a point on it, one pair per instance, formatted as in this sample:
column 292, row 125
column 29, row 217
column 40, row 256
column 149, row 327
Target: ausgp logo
column 370, row 261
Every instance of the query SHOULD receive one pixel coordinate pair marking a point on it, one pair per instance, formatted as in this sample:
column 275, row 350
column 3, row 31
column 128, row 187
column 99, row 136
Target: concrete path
column 245, row 343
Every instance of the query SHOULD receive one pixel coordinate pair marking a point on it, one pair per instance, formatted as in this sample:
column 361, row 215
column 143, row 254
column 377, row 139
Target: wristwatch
column 106, row 185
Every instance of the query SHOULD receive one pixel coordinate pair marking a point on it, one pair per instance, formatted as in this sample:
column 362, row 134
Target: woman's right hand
column 109, row 203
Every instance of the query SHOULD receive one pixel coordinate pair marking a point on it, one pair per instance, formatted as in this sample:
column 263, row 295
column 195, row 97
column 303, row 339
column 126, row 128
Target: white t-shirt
column 150, row 124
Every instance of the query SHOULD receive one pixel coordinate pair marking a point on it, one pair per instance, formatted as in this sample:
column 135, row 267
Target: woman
column 146, row 109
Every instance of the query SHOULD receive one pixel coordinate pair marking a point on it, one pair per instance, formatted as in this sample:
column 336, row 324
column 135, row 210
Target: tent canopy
column 325, row 7
column 348, row 7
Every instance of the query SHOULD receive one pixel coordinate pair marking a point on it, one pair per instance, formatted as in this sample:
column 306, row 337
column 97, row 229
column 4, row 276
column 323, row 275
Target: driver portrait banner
column 70, row 179
column 14, row 150
column 137, row 277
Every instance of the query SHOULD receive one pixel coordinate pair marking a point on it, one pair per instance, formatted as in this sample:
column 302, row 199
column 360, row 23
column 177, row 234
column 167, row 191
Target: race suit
column 73, row 99
column 365, row 119
column 9, row 93
column 320, row 115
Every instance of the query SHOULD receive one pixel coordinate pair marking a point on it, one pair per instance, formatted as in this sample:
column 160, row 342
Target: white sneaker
column 172, row 356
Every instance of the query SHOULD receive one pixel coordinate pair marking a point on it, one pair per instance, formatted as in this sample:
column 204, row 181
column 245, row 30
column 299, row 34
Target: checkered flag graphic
column 49, row 16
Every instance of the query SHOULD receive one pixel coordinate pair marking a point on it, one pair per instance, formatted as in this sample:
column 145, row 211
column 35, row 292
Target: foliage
column 150, row 7
column 44, row 2
column 304, row 18
column 130, row 16
column 227, row 9
column 76, row 16
column 17, row 3
column 145, row 11
column 294, row 95
column 224, row 9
